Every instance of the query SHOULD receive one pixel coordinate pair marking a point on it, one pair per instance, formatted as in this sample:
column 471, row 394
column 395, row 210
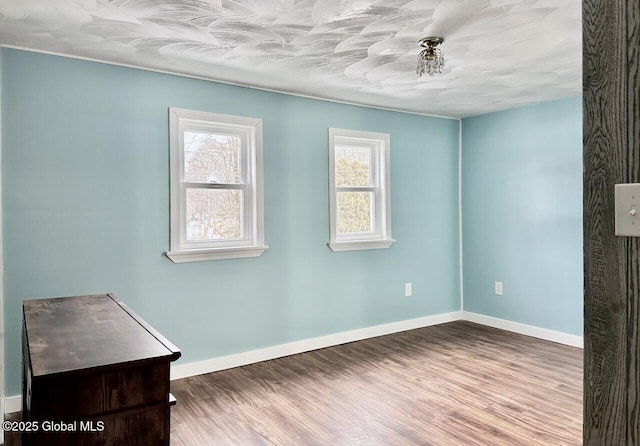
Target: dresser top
column 81, row 333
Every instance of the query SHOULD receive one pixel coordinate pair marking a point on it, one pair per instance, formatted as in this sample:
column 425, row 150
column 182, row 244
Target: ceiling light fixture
column 431, row 59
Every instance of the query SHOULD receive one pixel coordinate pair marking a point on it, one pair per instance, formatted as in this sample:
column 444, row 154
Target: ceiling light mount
column 431, row 59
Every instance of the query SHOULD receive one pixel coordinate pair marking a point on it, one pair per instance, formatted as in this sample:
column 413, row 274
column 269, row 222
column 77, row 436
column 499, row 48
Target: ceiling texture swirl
column 498, row 54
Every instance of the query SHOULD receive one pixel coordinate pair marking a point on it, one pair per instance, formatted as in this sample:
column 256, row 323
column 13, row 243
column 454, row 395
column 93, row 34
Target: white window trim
column 382, row 237
column 250, row 130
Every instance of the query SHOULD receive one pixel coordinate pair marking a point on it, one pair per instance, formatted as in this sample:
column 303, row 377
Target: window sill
column 198, row 255
column 360, row 245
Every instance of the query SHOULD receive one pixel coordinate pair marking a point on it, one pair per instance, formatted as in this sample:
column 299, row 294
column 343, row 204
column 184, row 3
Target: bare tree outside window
column 212, row 214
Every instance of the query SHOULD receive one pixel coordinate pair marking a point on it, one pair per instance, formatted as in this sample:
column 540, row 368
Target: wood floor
column 457, row 384
column 452, row 384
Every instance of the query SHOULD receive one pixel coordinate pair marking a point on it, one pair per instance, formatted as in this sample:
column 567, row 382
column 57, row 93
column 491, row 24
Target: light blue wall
column 522, row 214
column 86, row 210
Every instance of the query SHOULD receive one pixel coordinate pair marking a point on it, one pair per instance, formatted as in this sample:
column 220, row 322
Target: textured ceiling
column 499, row 53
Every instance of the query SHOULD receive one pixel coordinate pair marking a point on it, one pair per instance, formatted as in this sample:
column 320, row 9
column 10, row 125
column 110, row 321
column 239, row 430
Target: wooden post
column 611, row 88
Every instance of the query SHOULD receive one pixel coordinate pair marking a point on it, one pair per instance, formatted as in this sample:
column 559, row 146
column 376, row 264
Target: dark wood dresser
column 94, row 373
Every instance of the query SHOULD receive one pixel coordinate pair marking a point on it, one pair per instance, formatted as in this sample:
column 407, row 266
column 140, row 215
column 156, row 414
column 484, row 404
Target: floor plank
column 451, row 384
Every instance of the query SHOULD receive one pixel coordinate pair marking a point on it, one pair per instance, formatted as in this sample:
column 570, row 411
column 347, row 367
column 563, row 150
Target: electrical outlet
column 498, row 288
column 408, row 289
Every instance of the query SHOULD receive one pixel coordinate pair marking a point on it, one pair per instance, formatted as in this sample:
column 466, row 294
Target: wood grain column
column 611, row 88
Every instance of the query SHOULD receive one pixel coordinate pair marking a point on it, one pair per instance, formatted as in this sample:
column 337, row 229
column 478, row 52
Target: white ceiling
column 499, row 53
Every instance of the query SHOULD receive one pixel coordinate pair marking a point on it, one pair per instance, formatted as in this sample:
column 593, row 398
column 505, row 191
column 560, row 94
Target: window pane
column 355, row 213
column 214, row 214
column 353, row 166
column 211, row 158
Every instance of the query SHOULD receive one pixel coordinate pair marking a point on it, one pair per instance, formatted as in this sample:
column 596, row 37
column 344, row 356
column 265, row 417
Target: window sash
column 374, row 217
column 374, row 212
column 245, row 217
column 211, row 128
column 372, row 146
column 223, row 131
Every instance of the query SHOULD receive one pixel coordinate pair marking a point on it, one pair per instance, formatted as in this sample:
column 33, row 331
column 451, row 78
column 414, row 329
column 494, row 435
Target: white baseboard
column 292, row 348
column 529, row 330
column 13, row 404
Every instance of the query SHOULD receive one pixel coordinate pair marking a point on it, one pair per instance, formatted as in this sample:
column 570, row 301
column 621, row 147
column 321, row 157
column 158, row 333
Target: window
column 359, row 197
column 216, row 186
